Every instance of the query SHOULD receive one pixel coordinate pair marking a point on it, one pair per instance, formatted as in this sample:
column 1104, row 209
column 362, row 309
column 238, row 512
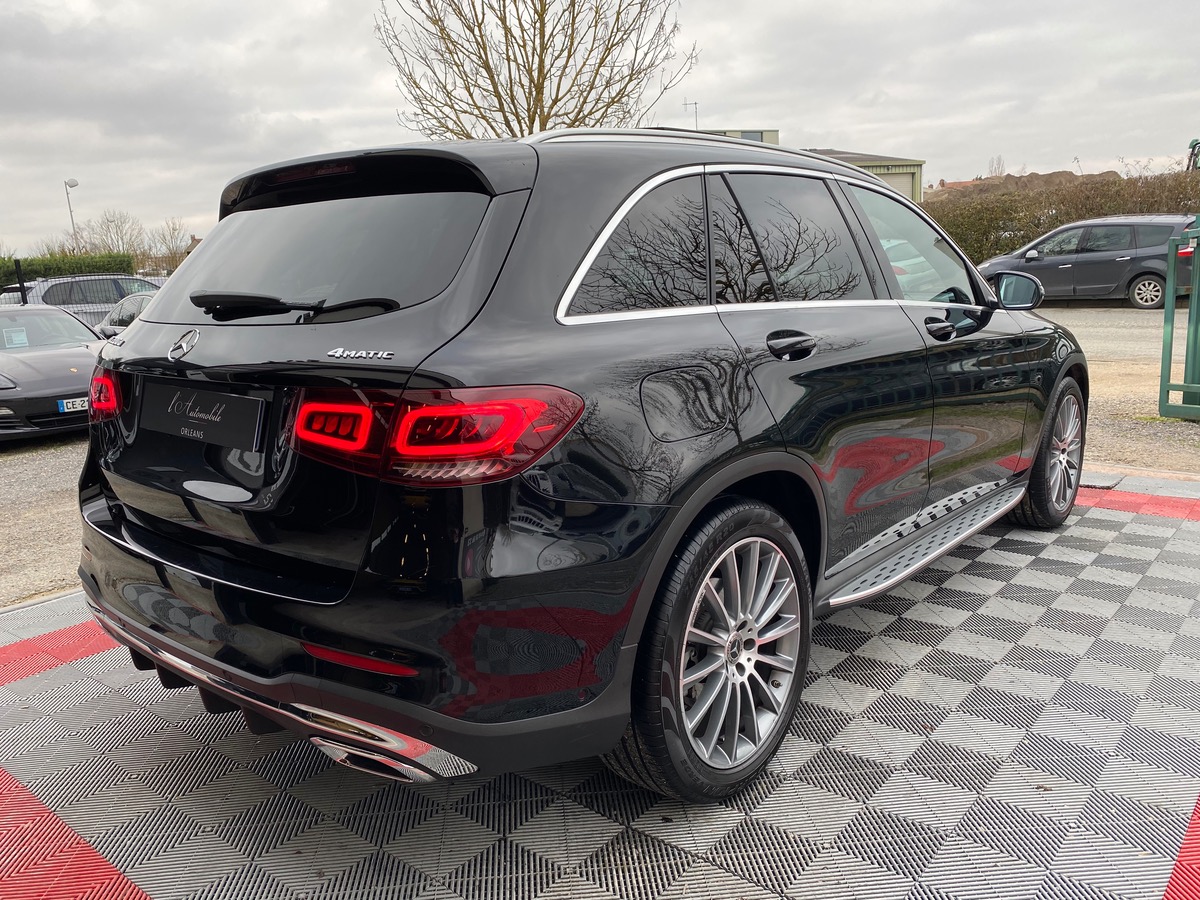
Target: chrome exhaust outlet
column 371, row 763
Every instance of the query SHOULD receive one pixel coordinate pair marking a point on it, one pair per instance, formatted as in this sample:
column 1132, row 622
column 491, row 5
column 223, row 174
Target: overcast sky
column 153, row 106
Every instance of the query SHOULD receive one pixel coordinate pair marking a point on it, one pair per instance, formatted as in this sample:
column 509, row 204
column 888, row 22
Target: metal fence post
column 21, row 283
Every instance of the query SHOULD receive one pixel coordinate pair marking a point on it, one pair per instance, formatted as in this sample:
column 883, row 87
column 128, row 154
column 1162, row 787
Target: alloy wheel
column 1066, row 454
column 740, row 653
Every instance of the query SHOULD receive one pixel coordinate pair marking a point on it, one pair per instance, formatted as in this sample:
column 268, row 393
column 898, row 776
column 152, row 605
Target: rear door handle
column 1067, row 266
column 940, row 329
column 1124, row 258
column 790, row 344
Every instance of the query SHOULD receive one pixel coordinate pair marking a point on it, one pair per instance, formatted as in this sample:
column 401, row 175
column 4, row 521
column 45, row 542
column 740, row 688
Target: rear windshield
column 400, row 247
column 39, row 329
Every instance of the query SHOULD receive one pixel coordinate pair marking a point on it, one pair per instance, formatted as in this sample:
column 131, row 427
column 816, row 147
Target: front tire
column 723, row 660
column 1147, row 292
column 1054, row 481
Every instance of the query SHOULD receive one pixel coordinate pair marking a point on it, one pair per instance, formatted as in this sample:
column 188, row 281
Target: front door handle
column 940, row 329
column 790, row 344
column 1124, row 258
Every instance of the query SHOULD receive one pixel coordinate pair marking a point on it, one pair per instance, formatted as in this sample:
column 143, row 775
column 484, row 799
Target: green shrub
column 51, row 266
column 987, row 225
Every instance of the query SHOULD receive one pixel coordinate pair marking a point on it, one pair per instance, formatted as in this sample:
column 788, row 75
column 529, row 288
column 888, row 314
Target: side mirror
column 105, row 331
column 1032, row 254
column 1017, row 290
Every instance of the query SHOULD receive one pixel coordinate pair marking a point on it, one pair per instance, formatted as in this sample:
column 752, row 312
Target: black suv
column 485, row 456
column 1110, row 257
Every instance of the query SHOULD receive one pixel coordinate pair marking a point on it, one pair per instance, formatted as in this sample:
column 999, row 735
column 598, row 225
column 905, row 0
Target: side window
column 123, row 314
column 803, row 238
column 739, row 275
column 57, row 294
column 95, row 290
column 656, row 257
column 1152, row 235
column 1060, row 244
column 133, row 285
column 1103, row 238
column 924, row 263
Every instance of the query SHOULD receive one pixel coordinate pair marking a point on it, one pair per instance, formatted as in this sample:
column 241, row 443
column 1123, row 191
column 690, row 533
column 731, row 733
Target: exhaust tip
column 370, row 762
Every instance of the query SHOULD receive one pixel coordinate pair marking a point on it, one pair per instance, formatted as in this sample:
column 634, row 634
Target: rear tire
column 723, row 657
column 1147, row 292
column 1054, row 481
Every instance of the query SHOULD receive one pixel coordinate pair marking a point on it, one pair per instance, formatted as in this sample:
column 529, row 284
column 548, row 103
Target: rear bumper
column 246, row 648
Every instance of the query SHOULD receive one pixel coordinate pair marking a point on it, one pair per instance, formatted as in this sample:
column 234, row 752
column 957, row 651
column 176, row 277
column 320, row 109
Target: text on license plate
column 74, row 404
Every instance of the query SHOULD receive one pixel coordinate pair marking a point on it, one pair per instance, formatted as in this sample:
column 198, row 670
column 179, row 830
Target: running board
column 931, row 542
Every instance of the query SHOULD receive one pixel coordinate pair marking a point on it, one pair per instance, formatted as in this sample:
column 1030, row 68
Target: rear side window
column 803, row 238
column 93, row 290
column 1104, row 238
column 1153, row 235
column 57, row 294
column 739, row 273
column 655, row 259
column 400, row 247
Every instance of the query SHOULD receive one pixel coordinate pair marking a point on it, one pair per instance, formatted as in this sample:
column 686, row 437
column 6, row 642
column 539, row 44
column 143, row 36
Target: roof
column 858, row 159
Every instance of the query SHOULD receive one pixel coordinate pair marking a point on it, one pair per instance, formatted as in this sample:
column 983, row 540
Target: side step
column 927, row 544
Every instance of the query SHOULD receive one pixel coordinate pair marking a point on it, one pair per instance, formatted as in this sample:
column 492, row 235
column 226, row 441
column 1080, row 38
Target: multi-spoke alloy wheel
column 740, row 653
column 1148, row 292
column 722, row 656
column 1066, row 455
column 1054, row 481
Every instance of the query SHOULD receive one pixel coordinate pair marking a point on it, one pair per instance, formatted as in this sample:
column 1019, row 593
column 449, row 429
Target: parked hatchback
column 485, row 456
column 87, row 297
column 1114, row 256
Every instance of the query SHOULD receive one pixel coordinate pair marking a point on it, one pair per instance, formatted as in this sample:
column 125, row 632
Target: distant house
column 765, row 135
column 902, row 174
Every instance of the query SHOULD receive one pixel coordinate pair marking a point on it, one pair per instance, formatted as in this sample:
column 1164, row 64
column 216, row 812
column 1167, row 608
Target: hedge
column 987, row 225
column 50, row 266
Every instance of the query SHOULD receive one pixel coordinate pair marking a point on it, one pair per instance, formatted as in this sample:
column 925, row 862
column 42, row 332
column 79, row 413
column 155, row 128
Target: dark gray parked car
column 88, row 297
column 1114, row 256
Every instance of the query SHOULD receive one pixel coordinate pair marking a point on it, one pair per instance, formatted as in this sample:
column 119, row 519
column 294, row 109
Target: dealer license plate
column 227, row 420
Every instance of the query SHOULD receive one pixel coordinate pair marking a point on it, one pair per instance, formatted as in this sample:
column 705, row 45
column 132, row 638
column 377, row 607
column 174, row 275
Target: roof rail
column 664, row 133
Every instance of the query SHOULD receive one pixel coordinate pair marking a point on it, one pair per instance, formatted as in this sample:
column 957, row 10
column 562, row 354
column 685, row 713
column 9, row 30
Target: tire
column 1054, row 481
column 1147, row 292
column 704, row 647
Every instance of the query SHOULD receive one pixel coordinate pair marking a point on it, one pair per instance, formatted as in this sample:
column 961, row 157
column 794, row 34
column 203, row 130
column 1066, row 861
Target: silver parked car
column 89, row 297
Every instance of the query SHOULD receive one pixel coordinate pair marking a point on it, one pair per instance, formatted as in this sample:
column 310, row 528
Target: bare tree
column 996, row 166
column 62, row 244
column 5, row 250
column 169, row 243
column 116, row 231
column 504, row 68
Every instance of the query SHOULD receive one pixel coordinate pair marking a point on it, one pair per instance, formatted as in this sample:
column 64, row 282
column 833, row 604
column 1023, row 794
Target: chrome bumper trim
column 422, row 761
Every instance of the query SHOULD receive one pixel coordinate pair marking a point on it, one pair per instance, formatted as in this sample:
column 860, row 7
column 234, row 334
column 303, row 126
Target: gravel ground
column 1124, row 346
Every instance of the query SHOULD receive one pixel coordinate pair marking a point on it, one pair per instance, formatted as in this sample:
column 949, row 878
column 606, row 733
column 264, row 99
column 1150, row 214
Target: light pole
column 67, row 185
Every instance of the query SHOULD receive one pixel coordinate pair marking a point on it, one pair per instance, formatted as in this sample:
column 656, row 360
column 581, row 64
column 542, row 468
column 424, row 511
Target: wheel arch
column 779, row 479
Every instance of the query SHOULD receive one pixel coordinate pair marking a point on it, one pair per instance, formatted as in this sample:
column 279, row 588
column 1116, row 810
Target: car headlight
column 6, row 383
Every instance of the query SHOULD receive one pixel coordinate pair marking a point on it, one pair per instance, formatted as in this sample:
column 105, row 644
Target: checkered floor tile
column 1022, row 720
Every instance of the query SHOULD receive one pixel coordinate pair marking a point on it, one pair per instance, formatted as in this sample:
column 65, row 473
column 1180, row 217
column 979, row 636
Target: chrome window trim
column 809, row 304
column 560, row 311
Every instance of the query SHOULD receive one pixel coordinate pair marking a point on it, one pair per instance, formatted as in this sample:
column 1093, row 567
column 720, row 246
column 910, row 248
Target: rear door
column 206, row 465
column 843, row 373
column 1103, row 260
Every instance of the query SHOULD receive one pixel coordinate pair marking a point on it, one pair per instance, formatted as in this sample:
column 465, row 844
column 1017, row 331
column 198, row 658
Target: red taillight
column 1187, row 250
column 358, row 661
column 344, row 426
column 453, row 436
column 104, row 397
column 899, row 270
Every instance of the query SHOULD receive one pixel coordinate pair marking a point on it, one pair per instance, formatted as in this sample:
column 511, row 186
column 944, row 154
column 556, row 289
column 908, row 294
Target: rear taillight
column 104, row 397
column 1187, row 250
column 452, row 436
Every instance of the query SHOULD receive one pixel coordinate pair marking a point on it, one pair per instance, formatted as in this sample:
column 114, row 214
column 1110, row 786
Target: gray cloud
column 155, row 106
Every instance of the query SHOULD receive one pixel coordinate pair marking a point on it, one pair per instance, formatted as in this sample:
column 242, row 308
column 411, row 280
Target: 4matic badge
column 340, row 353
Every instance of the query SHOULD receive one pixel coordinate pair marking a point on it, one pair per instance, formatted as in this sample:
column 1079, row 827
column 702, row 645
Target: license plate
column 214, row 418
column 74, row 404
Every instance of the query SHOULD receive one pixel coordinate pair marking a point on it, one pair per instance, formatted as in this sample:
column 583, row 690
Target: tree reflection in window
column 802, row 237
column 655, row 259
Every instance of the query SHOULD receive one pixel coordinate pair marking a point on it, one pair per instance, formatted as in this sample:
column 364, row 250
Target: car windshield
column 41, row 329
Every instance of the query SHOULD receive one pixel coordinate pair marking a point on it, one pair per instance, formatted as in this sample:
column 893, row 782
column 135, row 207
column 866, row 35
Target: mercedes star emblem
column 184, row 345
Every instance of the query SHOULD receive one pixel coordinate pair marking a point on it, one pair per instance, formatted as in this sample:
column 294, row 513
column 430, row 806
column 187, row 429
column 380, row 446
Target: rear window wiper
column 225, row 305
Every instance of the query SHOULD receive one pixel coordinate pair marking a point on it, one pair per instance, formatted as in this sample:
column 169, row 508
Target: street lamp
column 67, row 185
